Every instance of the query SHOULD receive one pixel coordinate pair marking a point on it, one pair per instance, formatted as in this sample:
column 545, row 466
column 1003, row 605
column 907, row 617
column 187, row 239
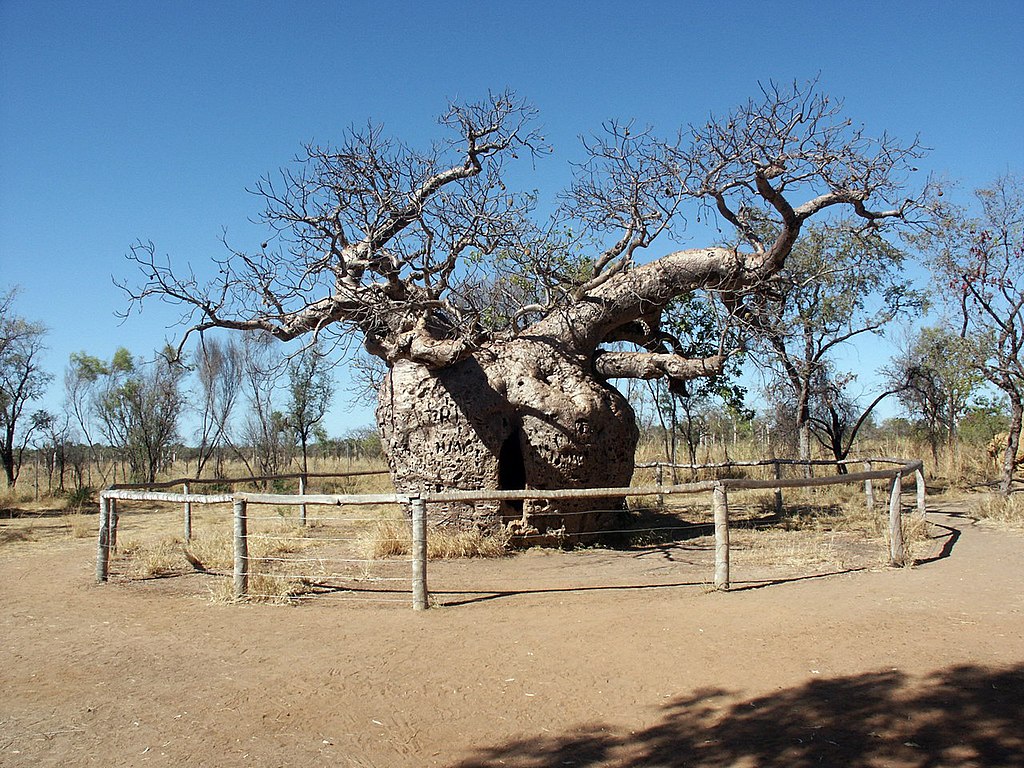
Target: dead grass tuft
column 151, row 559
column 1002, row 511
column 79, row 526
column 792, row 548
column 263, row 588
column 446, row 544
column 393, row 538
column 214, row 553
column 387, row 538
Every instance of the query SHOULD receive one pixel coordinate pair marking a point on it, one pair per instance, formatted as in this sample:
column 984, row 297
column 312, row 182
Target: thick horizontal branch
column 644, row 291
column 654, row 365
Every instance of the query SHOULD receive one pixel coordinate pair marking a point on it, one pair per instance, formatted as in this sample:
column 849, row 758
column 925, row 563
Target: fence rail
column 719, row 488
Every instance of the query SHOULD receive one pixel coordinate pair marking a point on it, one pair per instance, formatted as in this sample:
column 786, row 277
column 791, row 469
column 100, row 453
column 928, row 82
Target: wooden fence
column 893, row 473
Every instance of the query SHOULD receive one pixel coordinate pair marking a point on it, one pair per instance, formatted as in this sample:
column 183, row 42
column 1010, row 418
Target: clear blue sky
column 147, row 120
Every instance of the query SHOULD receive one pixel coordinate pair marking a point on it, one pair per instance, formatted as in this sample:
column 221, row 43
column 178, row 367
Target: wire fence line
column 320, row 581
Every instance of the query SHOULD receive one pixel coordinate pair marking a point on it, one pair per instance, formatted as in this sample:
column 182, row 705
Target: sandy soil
column 594, row 658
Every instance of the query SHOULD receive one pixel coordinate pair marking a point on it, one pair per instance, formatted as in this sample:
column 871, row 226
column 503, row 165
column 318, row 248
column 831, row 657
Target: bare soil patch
column 594, row 657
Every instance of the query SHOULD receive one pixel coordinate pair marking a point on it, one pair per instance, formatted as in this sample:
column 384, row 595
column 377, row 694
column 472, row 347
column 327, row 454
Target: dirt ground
column 592, row 658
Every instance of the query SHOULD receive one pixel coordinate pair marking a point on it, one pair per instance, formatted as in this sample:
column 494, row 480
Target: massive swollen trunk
column 522, row 414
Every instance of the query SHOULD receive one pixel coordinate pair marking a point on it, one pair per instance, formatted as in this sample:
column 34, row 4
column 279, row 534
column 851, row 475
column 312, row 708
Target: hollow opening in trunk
column 512, row 469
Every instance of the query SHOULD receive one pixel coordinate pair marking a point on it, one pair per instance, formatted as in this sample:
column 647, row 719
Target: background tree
column 378, row 241
column 699, row 324
column 986, row 417
column 981, row 258
column 22, row 380
column 936, row 379
column 82, row 378
column 264, row 427
column 219, row 371
column 838, row 284
column 309, row 391
column 837, row 418
column 137, row 406
column 55, row 441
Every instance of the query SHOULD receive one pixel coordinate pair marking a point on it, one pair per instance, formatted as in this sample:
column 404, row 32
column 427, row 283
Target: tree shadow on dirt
column 18, row 513
column 963, row 716
column 646, row 527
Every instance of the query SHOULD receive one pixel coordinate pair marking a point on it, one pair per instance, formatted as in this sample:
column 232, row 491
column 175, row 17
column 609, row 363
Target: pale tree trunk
column 1012, row 446
column 518, row 415
column 803, row 430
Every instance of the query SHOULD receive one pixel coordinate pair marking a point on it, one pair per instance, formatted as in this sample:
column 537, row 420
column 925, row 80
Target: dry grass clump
column 446, row 544
column 1002, row 511
column 393, row 538
column 819, row 525
column 263, row 588
column 215, row 551
column 79, row 526
column 794, row 549
column 387, row 538
column 215, row 554
column 16, row 497
column 150, row 560
column 915, row 536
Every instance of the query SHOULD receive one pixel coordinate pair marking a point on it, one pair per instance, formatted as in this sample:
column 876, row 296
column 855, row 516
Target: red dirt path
column 910, row 667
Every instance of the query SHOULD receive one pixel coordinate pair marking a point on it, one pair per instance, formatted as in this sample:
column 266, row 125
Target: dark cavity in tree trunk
column 511, row 468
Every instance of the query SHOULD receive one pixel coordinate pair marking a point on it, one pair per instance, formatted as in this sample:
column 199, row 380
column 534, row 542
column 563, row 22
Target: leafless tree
column 394, row 245
column 263, row 369
column 980, row 254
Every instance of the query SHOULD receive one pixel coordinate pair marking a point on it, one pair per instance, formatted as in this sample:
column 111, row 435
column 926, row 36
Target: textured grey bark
column 519, row 415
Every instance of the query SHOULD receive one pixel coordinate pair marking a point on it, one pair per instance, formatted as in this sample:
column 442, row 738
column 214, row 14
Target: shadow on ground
column 646, row 526
column 963, row 716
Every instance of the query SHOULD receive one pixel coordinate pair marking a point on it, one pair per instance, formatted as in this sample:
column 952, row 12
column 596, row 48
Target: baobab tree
column 501, row 336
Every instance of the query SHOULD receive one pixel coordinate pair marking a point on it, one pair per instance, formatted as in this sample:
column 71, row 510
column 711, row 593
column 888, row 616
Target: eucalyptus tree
column 375, row 240
column 309, row 396
column 219, row 371
column 699, row 325
column 839, row 284
column 81, row 381
column 936, row 378
column 134, row 404
column 22, row 380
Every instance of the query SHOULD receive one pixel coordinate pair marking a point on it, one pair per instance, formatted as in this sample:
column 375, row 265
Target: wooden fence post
column 778, row 491
column 241, row 549
column 897, row 553
column 720, row 507
column 103, row 541
column 919, row 480
column 188, row 515
column 302, row 492
column 419, row 554
column 869, row 489
column 112, row 525
column 659, row 480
